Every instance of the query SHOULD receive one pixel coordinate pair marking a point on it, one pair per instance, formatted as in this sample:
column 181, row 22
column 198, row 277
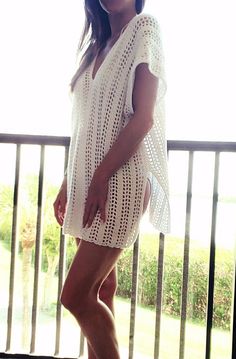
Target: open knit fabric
column 101, row 107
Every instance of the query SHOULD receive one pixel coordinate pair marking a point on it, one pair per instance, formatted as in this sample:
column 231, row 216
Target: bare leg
column 90, row 270
column 106, row 295
column 108, row 290
column 90, row 267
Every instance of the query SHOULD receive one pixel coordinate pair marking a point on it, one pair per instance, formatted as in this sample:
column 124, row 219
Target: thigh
column 112, row 276
column 90, row 267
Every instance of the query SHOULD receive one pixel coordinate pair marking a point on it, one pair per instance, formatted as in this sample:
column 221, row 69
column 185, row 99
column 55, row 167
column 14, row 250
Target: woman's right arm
column 60, row 202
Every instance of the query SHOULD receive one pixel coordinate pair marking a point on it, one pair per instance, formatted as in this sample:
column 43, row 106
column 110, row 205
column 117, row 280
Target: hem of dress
column 110, row 245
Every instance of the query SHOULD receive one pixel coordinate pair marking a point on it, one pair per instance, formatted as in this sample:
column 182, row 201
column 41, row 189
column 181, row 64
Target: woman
column 117, row 159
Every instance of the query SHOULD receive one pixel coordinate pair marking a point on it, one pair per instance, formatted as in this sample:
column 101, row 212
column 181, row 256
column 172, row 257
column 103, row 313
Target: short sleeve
column 148, row 49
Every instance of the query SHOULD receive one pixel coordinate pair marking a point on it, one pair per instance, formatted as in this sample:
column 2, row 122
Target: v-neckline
column 94, row 76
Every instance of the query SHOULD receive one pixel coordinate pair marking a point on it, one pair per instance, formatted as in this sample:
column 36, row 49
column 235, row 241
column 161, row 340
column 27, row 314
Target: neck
column 118, row 21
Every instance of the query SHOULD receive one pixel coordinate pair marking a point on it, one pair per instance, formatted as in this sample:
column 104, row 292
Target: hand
column 96, row 200
column 60, row 203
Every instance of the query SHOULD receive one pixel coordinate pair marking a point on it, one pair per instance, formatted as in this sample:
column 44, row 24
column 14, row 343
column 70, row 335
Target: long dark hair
column 95, row 33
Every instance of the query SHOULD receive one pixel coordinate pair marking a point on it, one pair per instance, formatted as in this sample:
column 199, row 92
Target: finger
column 102, row 211
column 86, row 213
column 62, row 210
column 59, row 217
column 57, row 212
column 59, row 220
column 93, row 211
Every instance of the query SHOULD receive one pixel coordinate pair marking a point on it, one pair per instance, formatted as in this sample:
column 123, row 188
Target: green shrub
column 222, row 295
column 124, row 267
column 172, row 285
column 197, row 290
column 147, row 279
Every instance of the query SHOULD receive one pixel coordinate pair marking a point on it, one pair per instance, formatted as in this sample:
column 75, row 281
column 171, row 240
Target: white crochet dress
column 101, row 107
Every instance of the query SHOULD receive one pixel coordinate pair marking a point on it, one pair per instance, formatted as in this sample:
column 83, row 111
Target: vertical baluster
column 61, row 275
column 134, row 294
column 234, row 310
column 159, row 295
column 212, row 259
column 38, row 243
column 186, row 258
column 13, row 248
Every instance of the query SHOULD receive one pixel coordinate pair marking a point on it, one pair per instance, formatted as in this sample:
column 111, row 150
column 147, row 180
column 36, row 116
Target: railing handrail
column 34, row 139
column 215, row 146
column 177, row 145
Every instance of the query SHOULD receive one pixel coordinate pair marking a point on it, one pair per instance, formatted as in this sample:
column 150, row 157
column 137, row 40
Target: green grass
column 169, row 339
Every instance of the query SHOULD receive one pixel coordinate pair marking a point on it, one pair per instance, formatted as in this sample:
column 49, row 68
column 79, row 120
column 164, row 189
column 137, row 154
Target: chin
column 111, row 6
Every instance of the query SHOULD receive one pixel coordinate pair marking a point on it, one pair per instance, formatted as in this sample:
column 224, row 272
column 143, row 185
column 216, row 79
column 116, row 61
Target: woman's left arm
column 144, row 97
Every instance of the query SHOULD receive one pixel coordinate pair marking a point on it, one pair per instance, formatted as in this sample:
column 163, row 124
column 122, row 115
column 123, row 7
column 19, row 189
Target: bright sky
column 38, row 44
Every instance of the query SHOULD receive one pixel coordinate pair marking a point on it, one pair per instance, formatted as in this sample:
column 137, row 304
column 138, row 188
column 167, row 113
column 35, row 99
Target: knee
column 67, row 300
column 74, row 302
column 109, row 286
